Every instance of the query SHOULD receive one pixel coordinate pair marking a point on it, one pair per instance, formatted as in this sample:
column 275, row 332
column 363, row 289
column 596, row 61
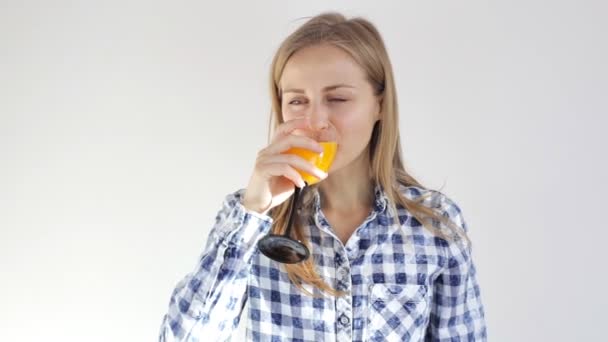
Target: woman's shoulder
column 430, row 197
column 437, row 200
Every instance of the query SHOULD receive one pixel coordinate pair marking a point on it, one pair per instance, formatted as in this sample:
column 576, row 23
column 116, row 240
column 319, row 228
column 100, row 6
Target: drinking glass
column 281, row 247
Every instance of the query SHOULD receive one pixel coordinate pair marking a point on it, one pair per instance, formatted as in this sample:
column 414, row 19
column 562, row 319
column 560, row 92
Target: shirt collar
column 380, row 199
column 378, row 210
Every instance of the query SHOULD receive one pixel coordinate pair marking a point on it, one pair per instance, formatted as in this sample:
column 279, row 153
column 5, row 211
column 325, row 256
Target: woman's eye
column 299, row 102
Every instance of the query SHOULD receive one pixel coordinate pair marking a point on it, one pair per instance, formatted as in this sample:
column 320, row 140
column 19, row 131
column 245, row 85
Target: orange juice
column 321, row 160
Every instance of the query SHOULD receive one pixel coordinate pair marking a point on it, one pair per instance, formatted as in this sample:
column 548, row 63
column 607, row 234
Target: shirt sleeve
column 207, row 303
column 457, row 312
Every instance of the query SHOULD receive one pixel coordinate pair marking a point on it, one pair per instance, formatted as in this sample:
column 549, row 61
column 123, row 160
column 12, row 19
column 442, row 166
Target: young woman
column 389, row 259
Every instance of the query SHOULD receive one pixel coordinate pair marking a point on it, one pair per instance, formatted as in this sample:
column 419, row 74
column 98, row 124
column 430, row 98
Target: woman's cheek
column 287, row 113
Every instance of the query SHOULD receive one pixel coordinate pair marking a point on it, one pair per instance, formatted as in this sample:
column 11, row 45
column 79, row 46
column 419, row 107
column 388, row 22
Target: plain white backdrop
column 123, row 124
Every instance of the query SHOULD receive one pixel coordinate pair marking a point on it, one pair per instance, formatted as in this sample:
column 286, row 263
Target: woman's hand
column 274, row 175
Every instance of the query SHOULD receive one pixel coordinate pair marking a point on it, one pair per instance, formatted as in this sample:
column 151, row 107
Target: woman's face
column 324, row 83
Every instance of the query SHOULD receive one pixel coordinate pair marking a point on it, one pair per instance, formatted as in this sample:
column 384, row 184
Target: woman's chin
column 335, row 166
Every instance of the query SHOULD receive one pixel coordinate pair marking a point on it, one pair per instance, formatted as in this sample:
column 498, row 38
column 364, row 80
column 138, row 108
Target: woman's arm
column 207, row 303
column 457, row 313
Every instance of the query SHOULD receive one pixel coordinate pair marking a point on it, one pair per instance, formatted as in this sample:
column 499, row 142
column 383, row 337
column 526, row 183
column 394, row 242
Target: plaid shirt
column 403, row 283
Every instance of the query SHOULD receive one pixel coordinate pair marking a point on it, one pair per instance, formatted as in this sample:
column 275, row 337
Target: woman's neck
column 349, row 188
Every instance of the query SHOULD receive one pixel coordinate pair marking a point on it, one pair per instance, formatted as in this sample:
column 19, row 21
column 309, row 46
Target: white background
column 124, row 124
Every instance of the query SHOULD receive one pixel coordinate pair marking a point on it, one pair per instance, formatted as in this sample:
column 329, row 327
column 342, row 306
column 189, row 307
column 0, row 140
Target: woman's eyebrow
column 328, row 88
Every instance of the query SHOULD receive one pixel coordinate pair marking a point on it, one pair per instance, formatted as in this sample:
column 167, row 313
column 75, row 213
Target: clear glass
column 283, row 248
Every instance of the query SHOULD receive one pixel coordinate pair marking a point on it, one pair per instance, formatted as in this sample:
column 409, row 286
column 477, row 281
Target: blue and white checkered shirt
column 403, row 283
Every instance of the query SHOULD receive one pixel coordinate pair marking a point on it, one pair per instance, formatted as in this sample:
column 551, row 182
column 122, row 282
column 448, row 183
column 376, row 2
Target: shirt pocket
column 397, row 312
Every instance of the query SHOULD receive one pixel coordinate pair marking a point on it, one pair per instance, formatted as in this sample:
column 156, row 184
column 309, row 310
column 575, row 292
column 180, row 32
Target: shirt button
column 344, row 319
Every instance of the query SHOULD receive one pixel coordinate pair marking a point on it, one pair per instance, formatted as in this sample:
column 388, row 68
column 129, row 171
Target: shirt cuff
column 238, row 225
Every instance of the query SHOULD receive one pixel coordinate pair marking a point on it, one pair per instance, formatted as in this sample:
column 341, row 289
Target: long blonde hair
column 362, row 41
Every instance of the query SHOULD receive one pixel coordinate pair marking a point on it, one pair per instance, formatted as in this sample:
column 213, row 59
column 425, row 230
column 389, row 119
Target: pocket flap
column 412, row 292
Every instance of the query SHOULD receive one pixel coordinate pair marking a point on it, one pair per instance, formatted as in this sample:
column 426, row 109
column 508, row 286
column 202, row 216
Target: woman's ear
column 379, row 102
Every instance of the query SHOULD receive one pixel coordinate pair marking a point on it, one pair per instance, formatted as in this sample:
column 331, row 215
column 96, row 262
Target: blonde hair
column 362, row 41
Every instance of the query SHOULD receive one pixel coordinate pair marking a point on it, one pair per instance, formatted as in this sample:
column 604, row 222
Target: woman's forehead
column 321, row 67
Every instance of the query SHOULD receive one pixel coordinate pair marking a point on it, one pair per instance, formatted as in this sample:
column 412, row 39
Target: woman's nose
column 319, row 117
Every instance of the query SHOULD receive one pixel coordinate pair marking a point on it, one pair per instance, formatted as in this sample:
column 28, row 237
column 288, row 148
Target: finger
column 289, row 126
column 282, row 169
column 296, row 162
column 290, row 141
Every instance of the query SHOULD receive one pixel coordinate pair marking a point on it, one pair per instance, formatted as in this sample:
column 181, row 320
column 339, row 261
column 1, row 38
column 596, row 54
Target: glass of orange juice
column 321, row 160
column 283, row 248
